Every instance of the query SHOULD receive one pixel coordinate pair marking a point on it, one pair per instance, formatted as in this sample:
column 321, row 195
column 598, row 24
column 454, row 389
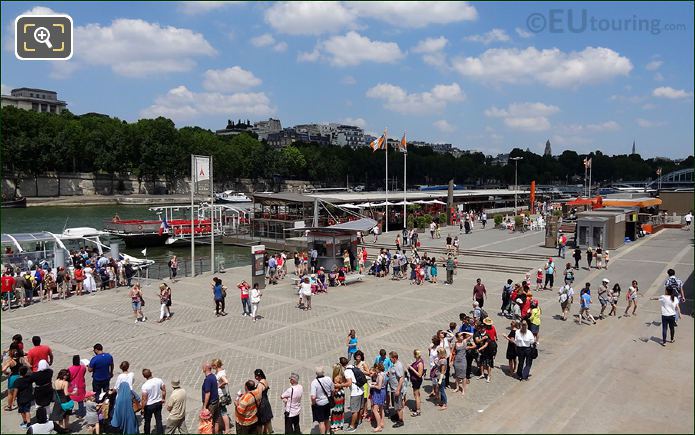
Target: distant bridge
column 677, row 179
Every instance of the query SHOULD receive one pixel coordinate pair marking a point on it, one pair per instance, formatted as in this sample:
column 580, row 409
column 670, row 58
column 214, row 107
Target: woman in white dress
column 89, row 285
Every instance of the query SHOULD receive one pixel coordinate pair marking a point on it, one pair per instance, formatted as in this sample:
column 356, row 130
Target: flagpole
column 585, row 179
column 193, row 176
column 590, row 168
column 386, row 141
column 405, row 167
column 212, row 221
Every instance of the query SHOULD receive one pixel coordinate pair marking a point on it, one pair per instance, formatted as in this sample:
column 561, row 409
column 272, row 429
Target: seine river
column 55, row 219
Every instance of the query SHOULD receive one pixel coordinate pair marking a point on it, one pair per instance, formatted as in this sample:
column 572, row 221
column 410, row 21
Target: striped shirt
column 247, row 409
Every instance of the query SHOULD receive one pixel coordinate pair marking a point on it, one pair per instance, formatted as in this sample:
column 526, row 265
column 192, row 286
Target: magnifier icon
column 43, row 36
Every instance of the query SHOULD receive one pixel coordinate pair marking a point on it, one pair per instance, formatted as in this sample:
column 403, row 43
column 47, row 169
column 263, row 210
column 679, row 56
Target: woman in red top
column 77, row 384
column 79, row 278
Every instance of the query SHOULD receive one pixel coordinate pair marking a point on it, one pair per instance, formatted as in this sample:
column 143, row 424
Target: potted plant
column 498, row 220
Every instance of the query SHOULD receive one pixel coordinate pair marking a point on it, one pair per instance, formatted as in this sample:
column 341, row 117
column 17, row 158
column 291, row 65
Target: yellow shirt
column 535, row 316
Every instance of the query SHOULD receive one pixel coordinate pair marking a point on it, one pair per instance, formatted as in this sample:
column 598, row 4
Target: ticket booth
column 258, row 266
column 331, row 242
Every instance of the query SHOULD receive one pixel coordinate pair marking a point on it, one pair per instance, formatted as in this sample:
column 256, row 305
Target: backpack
column 483, row 314
column 569, row 275
column 360, row 378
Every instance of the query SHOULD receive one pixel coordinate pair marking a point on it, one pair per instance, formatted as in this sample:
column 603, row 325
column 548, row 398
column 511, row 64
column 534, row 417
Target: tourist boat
column 174, row 225
column 16, row 202
column 229, row 197
column 53, row 249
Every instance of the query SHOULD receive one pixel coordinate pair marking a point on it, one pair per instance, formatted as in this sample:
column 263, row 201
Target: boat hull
column 15, row 203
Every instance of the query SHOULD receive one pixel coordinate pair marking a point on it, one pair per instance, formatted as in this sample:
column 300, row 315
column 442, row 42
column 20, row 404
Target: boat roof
column 43, row 236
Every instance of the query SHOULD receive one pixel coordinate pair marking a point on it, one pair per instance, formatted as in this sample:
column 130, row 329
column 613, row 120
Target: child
column 527, row 279
column 539, row 279
column 605, row 260
column 91, row 418
column 205, row 422
column 418, row 274
column 25, row 396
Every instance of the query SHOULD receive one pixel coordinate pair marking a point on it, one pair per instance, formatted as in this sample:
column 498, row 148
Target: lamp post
column 516, row 182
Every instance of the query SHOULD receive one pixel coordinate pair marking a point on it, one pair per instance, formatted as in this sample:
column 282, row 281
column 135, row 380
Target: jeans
column 549, row 279
column 525, row 362
column 668, row 322
column 219, row 306
column 447, row 374
column 469, row 364
column 292, row 425
column 442, row 392
column 246, row 306
column 156, row 410
column 450, row 276
column 99, row 386
column 81, row 410
column 576, row 263
column 480, row 301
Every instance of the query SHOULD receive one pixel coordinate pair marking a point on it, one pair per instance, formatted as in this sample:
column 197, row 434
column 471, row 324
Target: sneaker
column 144, row 319
column 398, row 424
column 23, row 425
column 137, row 320
column 350, row 429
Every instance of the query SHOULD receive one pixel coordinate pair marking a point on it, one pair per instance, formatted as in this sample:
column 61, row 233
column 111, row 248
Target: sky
column 483, row 76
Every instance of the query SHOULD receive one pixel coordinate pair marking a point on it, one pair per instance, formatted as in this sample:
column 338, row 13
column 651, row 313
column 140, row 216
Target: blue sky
column 485, row 76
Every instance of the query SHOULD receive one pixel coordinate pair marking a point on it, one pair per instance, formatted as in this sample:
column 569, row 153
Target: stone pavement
column 583, row 376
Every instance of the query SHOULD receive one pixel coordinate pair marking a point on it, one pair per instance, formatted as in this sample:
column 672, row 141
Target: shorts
column 23, row 407
column 356, row 402
column 320, row 412
column 416, row 382
column 10, row 381
column 214, row 409
column 603, row 301
column 566, row 305
column 534, row 328
column 398, row 402
column 136, row 305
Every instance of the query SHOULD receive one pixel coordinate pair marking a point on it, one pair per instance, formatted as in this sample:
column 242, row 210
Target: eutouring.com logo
column 580, row 21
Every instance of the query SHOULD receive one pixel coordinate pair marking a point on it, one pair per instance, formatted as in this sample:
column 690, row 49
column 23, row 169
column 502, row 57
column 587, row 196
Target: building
column 38, row 100
column 346, row 135
column 500, row 160
column 264, row 128
column 547, row 152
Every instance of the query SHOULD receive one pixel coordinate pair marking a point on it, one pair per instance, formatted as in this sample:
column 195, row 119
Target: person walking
column 219, row 293
column 255, row 299
column 450, row 267
column 613, row 298
column 589, row 256
column 585, row 307
column 566, row 298
column 136, row 302
column 165, row 302
column 569, row 274
column 292, row 399
column 173, row 268
column 577, row 257
column 549, row 274
column 603, row 296
column 154, row 394
column 479, row 292
column 669, row 310
column 523, row 340
column 176, row 406
column 631, row 297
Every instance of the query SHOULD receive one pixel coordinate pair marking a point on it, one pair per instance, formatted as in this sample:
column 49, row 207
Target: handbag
column 534, row 352
column 331, row 399
column 65, row 406
column 287, row 413
column 136, row 406
column 226, row 399
column 142, row 301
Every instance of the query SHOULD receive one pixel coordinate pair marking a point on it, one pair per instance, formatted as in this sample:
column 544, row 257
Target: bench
column 353, row 277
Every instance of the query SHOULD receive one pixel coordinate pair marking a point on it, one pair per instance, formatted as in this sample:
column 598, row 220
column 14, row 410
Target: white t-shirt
column 524, row 340
column 355, row 390
column 294, row 399
column 124, row 377
column 255, row 295
column 317, row 391
column 218, row 375
column 668, row 307
column 42, row 428
column 305, row 289
column 153, row 388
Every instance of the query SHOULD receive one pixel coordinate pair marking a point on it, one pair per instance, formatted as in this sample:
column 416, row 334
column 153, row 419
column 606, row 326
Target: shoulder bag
column 331, row 399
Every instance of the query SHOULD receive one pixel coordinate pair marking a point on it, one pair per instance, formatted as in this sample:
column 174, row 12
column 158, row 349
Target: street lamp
column 516, row 183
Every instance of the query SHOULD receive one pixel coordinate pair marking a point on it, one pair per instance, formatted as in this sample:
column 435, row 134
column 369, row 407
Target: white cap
column 606, row 280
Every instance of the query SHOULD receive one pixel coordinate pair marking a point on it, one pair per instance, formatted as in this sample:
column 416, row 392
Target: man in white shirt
column 292, row 397
column 154, row 393
column 321, row 390
column 356, row 395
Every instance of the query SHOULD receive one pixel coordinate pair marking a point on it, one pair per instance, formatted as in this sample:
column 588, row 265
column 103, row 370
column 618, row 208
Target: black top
column 25, row 394
column 43, row 392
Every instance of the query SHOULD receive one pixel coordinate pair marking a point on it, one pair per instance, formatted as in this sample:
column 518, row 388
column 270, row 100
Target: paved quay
column 612, row 377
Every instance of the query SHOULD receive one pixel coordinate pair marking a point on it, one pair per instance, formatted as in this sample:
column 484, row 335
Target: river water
column 55, row 219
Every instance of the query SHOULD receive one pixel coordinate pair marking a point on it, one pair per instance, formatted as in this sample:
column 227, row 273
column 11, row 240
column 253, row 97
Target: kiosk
column 258, row 266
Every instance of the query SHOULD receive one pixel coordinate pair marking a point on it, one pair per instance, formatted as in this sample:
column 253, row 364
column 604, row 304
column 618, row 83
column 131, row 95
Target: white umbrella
column 404, row 203
column 353, row 206
column 421, row 202
column 381, row 204
column 436, row 201
column 365, row 204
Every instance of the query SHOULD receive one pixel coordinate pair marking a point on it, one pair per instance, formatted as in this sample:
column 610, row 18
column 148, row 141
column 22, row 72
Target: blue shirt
column 210, row 386
column 218, row 292
column 586, row 300
column 352, row 347
column 100, row 365
column 386, row 362
column 272, row 263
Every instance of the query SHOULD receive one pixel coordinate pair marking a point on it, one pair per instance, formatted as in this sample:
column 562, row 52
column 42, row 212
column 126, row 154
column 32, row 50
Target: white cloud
column 671, row 93
column 432, row 50
column 36, row 10
column 203, row 7
column 316, row 18
column 280, row 47
column 182, row 104
column 494, row 35
column 523, row 33
column 551, row 67
column 524, row 116
column 645, row 123
column 358, row 122
column 654, row 65
column 348, row 80
column 352, row 49
column 229, row 80
column 397, row 99
column 600, row 127
column 414, row 14
column 4, row 89
column 263, row 40
column 309, row 18
column 444, row 126
column 136, row 48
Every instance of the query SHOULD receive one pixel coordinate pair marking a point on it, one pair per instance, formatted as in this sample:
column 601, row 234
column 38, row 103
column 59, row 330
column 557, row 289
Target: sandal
column 415, row 414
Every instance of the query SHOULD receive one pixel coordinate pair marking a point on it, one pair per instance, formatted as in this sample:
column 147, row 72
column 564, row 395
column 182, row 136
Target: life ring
column 139, row 227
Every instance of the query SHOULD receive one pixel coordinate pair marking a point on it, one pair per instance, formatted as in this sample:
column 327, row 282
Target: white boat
column 229, row 196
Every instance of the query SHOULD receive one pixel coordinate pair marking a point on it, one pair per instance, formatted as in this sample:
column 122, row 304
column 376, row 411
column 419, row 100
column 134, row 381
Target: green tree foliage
column 35, row 143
